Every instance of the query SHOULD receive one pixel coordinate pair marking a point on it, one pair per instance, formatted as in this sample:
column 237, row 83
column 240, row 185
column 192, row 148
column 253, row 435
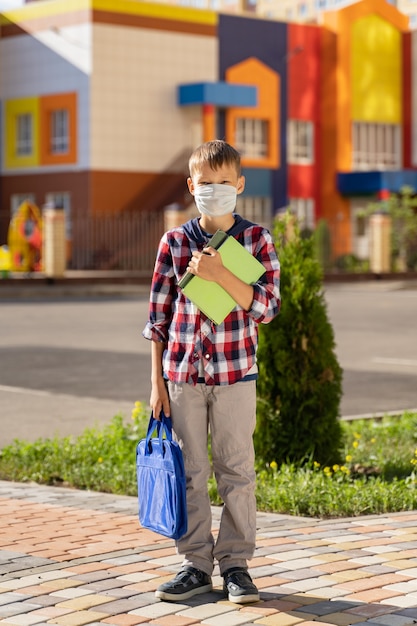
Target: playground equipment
column 25, row 239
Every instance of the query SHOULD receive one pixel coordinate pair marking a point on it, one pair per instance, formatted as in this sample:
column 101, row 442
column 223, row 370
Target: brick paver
column 73, row 558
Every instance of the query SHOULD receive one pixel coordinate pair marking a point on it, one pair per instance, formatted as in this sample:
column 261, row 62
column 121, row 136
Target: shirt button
column 207, row 356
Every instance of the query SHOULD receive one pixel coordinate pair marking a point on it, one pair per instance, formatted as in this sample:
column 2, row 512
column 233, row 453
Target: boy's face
column 224, row 175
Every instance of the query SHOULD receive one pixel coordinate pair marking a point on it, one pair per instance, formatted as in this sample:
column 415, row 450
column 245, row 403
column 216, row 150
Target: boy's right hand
column 159, row 400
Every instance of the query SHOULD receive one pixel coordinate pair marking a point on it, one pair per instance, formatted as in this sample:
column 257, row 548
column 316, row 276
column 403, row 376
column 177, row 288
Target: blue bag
column 161, row 481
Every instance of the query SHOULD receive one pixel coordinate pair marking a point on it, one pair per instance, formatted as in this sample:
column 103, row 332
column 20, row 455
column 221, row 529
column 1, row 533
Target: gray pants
column 229, row 414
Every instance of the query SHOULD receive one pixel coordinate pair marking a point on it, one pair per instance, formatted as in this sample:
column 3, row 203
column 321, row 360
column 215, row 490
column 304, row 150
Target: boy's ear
column 190, row 185
column 240, row 184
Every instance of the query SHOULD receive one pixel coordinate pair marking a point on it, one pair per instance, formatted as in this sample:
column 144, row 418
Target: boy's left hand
column 207, row 264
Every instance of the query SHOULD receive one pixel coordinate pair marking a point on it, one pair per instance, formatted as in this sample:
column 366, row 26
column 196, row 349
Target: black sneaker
column 238, row 586
column 187, row 583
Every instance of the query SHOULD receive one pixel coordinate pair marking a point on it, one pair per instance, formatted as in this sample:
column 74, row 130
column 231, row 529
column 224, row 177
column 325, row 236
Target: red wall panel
column 303, row 60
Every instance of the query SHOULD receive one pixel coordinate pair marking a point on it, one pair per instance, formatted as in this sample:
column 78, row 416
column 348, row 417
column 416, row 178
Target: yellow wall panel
column 159, row 10
column 14, row 108
column 376, row 71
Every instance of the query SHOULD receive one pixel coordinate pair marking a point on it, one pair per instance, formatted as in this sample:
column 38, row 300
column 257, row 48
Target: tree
column 300, row 380
column 401, row 208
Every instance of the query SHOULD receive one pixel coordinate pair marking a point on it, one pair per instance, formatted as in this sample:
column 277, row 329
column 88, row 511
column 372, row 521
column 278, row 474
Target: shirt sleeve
column 266, row 302
column 163, row 289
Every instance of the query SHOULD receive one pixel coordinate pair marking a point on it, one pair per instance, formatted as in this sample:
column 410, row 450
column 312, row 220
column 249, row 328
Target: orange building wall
column 253, row 72
column 334, row 208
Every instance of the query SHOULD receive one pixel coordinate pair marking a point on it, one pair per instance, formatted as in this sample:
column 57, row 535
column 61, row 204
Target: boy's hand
column 207, row 264
column 159, row 400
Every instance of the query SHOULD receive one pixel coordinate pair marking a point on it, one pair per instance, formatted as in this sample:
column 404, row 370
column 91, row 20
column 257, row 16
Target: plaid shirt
column 227, row 350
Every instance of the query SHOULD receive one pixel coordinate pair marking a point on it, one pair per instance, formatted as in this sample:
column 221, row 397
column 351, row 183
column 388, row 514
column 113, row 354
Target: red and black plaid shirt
column 228, row 350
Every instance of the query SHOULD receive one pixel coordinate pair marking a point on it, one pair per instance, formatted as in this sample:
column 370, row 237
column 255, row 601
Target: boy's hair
column 216, row 153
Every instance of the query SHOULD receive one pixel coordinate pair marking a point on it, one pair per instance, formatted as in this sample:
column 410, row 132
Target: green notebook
column 207, row 295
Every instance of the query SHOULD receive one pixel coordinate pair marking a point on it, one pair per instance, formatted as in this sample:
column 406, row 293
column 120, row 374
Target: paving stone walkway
column 71, row 558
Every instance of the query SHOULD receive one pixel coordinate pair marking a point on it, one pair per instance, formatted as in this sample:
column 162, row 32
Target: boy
column 211, row 372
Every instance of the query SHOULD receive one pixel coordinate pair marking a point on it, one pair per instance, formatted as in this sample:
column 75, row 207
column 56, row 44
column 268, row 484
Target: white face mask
column 215, row 200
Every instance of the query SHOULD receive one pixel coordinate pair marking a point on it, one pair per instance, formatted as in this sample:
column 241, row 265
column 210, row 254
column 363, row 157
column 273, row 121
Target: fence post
column 380, row 243
column 54, row 244
column 174, row 215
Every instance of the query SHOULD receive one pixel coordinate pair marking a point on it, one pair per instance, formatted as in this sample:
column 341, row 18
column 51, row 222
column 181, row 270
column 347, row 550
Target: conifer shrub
column 300, row 380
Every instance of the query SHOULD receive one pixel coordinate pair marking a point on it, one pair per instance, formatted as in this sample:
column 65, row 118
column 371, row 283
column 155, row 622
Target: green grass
column 379, row 474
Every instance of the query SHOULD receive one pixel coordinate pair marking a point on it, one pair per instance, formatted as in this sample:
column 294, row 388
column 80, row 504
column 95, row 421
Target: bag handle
column 162, row 426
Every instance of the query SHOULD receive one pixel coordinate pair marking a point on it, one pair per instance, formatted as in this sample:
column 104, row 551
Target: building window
column 413, row 20
column 252, row 138
column 360, row 227
column 256, row 209
column 59, row 131
column 376, row 146
column 21, row 136
column 302, row 9
column 300, row 142
column 303, row 209
column 17, row 199
column 61, row 200
column 24, row 139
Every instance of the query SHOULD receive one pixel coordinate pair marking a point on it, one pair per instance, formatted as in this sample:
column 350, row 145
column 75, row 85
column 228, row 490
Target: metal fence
column 107, row 242
column 117, row 242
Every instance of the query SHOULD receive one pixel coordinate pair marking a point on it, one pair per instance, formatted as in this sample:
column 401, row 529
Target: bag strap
column 162, row 426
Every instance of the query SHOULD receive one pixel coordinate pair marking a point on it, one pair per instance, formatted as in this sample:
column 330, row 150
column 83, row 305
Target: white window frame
column 376, row 146
column 251, row 137
column 360, row 227
column 303, row 209
column 61, row 200
column 24, row 134
column 257, row 209
column 60, row 121
column 300, row 142
column 17, row 199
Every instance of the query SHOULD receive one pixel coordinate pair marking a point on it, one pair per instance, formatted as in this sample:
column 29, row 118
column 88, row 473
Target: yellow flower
column 99, row 460
column 373, row 440
column 355, row 444
column 356, row 435
column 327, row 470
column 316, row 464
column 273, row 465
column 348, row 458
column 336, row 467
column 138, row 404
column 345, row 469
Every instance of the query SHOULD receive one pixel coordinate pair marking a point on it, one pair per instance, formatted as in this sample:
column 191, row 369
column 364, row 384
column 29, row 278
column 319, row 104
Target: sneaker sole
column 164, row 595
column 244, row 599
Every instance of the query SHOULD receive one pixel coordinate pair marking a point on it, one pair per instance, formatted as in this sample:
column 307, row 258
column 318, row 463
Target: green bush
column 99, row 459
column 378, row 475
column 300, row 380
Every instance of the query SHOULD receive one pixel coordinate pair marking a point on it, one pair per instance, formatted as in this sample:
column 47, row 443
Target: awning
column 364, row 183
column 220, row 94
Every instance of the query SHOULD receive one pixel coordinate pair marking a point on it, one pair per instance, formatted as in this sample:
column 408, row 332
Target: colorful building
column 102, row 102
